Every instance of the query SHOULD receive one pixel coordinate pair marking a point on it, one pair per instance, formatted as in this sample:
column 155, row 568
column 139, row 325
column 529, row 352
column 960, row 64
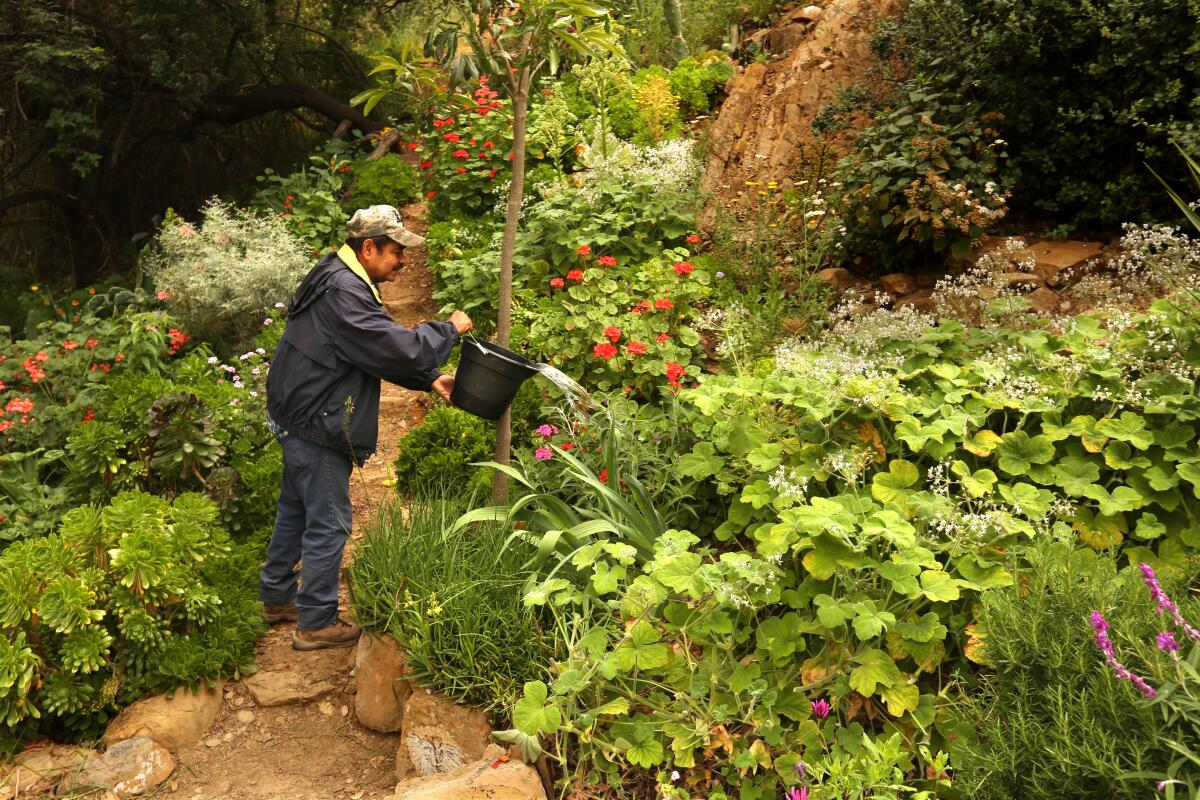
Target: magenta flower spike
column 1101, row 626
column 820, row 708
column 1165, row 603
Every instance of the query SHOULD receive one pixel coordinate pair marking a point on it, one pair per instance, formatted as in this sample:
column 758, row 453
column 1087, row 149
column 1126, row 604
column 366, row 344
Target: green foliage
column 309, row 199
column 452, row 599
column 1078, row 85
column 697, row 79
column 139, row 596
column 389, row 180
column 439, row 453
column 922, row 181
column 646, row 110
column 468, row 151
column 1050, row 720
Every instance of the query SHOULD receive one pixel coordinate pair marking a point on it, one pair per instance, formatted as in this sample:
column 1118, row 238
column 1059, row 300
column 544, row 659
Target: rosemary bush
column 452, row 599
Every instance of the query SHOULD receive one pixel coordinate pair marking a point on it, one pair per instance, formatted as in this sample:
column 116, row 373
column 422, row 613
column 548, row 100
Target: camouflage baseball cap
column 381, row 221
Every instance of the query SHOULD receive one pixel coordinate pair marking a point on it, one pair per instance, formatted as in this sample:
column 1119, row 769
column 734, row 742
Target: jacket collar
column 351, row 261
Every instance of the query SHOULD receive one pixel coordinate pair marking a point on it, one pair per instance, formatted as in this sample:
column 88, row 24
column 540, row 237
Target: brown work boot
column 339, row 634
column 276, row 614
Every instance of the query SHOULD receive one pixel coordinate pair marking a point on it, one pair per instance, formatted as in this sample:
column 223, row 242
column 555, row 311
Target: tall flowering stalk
column 1101, row 627
column 1166, row 604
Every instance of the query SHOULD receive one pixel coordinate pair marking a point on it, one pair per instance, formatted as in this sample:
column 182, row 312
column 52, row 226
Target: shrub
column 922, row 182
column 697, row 79
column 308, row 200
column 1048, row 720
column 468, row 153
column 224, row 276
column 452, row 599
column 389, row 180
column 140, row 596
column 1078, row 85
column 646, row 111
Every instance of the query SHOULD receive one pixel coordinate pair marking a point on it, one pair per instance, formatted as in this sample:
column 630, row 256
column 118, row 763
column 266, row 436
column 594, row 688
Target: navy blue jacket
column 323, row 382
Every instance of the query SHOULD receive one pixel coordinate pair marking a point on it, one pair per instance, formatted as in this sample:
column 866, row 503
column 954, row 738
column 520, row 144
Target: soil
column 316, row 750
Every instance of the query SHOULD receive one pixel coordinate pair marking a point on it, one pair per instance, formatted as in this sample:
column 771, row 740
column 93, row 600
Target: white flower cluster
column 671, row 166
column 788, row 484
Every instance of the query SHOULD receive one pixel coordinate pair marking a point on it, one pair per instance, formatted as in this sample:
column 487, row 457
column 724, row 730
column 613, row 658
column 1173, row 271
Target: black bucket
column 488, row 378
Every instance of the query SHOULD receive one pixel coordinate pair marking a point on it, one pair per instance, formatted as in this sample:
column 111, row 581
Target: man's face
column 382, row 265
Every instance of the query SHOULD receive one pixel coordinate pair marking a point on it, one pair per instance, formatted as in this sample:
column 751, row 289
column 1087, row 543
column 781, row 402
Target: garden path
column 315, row 750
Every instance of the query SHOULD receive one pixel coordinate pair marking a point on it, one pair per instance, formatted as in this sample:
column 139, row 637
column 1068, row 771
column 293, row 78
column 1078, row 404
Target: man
column 323, row 404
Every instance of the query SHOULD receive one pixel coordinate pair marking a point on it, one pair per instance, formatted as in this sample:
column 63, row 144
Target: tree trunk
column 673, row 15
column 512, row 219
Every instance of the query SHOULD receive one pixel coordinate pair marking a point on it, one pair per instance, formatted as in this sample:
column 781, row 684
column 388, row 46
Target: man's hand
column 462, row 323
column 444, row 384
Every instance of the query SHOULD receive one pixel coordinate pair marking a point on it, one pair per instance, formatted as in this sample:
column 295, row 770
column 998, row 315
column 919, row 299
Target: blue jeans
column 311, row 527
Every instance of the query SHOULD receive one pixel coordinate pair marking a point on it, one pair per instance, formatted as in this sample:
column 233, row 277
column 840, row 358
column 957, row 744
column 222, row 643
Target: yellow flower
column 33, row 288
column 812, row 223
column 772, row 185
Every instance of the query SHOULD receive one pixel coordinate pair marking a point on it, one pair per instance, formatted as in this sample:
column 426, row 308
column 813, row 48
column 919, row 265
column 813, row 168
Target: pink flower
column 683, row 267
column 543, row 454
column 546, row 431
column 795, row 793
column 820, row 708
column 606, row 261
column 604, row 350
column 163, row 294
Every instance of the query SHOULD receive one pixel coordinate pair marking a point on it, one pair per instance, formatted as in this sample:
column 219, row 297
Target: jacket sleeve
column 366, row 336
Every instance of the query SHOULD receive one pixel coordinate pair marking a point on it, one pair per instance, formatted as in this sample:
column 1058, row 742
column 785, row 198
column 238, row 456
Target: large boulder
column 174, row 722
column 1061, row 263
column 127, row 769
column 382, row 688
column 437, row 735
column 484, row 779
column 39, row 769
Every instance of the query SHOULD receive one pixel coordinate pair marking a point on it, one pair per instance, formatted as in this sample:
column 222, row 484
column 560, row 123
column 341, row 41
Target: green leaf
column 901, row 698
column 925, row 629
column 977, row 483
column 645, row 754
column 982, row 443
column 532, row 715
column 642, row 648
column 530, row 748
column 1027, row 499
column 876, row 669
column 1018, row 452
column 1130, row 428
column 897, row 484
column 1148, row 527
column 1075, row 473
column 702, row 462
column 1122, row 499
column 938, row 586
column 870, row 622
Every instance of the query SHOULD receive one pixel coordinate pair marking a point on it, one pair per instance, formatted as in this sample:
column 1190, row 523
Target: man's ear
column 368, row 248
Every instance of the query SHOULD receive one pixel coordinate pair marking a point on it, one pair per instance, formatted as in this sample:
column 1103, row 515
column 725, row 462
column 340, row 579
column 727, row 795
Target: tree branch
column 228, row 109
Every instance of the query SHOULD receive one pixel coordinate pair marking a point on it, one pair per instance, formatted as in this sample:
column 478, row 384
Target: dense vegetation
column 787, row 544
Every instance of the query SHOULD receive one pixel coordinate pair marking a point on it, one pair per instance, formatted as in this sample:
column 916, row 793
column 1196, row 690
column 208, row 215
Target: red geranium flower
column 460, row 154
column 575, row 275
column 584, row 250
column 603, row 476
column 674, row 373
column 604, row 350
column 641, row 307
column 90, row 344
column 557, row 283
column 430, row 194
column 426, row 164
column 684, row 267
column 460, row 169
column 663, row 304
column 606, row 261
column 452, row 137
column 693, row 238
column 488, row 144
column 69, row 344
column 636, row 348
column 567, row 446
column 662, row 337
column 89, row 416
column 612, row 333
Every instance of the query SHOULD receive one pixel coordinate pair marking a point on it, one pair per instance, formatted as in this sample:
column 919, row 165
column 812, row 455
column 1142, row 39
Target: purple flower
column 800, row 769
column 1164, row 601
column 543, row 454
column 1101, row 626
column 1166, row 641
column 820, row 708
column 797, row 793
column 546, row 431
column 720, row 274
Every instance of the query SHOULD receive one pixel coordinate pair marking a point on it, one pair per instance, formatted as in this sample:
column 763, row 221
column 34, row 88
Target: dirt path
column 314, row 750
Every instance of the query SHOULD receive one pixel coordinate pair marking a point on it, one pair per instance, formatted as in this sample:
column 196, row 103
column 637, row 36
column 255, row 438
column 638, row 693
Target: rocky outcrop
column 380, row 670
column 488, row 778
column 127, row 769
column 173, row 722
column 437, row 735
column 765, row 123
column 317, row 674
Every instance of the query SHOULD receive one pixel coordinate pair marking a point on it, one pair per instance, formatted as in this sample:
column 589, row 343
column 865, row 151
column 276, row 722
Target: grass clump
column 452, row 600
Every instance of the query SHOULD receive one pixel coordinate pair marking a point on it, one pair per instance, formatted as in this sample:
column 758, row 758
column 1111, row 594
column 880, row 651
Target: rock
column 825, row 65
column 39, row 769
column 787, row 37
column 927, row 278
column 898, row 284
column 839, row 278
column 1059, row 263
column 380, row 669
column 128, row 768
column 478, row 780
column 437, row 735
column 212, row 741
column 811, row 13
column 174, row 722
column 313, row 676
column 921, row 299
column 1021, row 280
column 245, row 716
column 1044, row 301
